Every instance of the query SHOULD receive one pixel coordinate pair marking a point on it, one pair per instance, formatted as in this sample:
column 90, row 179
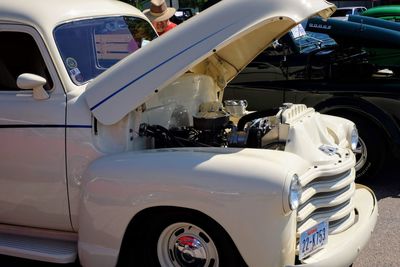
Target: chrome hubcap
column 189, row 250
column 186, row 245
column 361, row 154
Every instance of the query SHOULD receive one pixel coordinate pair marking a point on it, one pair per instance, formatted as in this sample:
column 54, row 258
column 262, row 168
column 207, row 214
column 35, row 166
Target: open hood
column 219, row 42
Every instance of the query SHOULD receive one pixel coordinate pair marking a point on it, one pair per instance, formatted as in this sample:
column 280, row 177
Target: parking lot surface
column 383, row 248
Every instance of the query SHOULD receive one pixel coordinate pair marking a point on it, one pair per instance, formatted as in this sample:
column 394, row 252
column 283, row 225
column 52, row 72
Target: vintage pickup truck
column 116, row 148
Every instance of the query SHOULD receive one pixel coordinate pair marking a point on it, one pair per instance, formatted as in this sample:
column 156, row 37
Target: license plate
column 313, row 239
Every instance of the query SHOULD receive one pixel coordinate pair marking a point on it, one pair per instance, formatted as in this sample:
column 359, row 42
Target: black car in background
column 343, row 76
column 181, row 15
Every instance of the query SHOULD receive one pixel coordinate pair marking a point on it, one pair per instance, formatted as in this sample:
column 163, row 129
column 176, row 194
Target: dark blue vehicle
column 378, row 37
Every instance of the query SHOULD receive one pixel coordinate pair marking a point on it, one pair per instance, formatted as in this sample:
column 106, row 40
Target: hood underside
column 218, row 42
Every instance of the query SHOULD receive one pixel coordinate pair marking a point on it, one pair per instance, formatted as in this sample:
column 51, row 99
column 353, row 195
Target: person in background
column 159, row 15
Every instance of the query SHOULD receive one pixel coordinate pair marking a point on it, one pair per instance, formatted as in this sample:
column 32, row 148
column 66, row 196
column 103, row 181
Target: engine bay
column 214, row 126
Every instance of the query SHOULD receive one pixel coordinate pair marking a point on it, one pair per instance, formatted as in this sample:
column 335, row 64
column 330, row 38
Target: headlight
column 294, row 192
column 354, row 138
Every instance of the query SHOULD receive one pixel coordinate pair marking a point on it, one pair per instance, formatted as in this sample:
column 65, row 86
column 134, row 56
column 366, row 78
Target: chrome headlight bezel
column 294, row 192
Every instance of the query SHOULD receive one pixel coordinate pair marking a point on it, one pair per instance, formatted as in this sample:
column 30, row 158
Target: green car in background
column 391, row 12
column 379, row 56
column 379, row 38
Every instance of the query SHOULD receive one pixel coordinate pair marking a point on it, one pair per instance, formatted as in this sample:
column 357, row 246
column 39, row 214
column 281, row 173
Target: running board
column 34, row 248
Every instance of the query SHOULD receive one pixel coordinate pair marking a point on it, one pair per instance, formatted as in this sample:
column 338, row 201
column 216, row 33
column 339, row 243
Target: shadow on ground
column 7, row 261
column 387, row 183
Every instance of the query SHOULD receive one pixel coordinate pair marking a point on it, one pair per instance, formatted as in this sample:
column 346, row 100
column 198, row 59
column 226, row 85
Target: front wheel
column 180, row 239
column 186, row 244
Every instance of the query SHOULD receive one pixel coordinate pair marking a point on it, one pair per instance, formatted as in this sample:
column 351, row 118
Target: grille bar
column 328, row 214
column 327, row 184
column 322, row 200
column 342, row 224
column 327, row 198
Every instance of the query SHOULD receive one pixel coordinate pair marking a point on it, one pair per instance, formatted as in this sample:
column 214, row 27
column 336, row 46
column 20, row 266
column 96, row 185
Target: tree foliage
column 136, row 3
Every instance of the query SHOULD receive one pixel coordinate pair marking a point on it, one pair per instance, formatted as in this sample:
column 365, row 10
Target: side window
column 19, row 54
column 360, row 11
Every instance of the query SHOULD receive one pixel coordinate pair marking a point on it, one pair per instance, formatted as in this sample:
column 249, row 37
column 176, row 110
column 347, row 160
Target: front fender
column 367, row 108
column 241, row 189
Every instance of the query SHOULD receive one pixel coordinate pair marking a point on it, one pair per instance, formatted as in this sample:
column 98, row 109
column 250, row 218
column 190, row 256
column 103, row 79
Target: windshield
column 309, row 41
column 89, row 47
column 313, row 41
column 342, row 13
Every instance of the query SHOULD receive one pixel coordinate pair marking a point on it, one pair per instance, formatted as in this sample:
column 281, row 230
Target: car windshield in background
column 342, row 13
column 305, row 42
column 89, row 47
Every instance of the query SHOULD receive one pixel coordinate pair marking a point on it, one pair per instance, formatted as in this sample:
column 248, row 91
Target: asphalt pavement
column 383, row 249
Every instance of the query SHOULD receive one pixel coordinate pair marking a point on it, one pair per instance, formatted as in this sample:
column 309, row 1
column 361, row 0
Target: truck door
column 33, row 188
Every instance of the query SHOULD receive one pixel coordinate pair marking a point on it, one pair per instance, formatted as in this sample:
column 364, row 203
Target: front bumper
column 343, row 248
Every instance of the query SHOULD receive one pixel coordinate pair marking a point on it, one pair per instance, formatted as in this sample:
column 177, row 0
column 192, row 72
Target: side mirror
column 33, row 82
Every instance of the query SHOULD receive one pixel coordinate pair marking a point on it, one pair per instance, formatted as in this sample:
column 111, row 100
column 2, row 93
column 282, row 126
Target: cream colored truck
column 117, row 148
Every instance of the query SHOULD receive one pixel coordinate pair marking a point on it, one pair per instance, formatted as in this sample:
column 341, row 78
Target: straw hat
column 159, row 11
